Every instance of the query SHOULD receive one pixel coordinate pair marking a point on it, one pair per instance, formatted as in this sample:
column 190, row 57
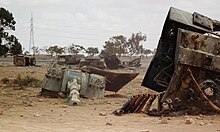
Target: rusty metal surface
column 137, row 104
column 199, row 88
column 115, row 80
column 186, row 66
column 163, row 61
column 198, row 50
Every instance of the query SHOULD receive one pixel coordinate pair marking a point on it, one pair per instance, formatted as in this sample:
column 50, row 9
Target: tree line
column 118, row 44
column 11, row 43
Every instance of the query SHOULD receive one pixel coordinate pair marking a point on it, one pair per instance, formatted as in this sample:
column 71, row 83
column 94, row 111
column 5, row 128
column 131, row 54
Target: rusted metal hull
column 186, row 65
column 196, row 79
column 115, row 81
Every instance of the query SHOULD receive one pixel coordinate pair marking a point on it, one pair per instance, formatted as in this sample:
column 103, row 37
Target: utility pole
column 31, row 44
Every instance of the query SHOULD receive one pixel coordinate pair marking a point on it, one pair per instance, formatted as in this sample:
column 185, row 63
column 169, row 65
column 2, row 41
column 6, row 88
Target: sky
column 92, row 22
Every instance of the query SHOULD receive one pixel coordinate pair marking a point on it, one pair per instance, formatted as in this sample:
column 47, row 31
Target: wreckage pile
column 185, row 70
column 90, row 82
column 102, row 61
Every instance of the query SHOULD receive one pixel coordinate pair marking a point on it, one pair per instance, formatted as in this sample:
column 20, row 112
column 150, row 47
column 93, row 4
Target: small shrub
column 5, row 80
column 26, row 81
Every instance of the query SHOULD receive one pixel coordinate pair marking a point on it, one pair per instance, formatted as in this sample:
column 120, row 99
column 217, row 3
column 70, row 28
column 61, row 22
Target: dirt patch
column 21, row 109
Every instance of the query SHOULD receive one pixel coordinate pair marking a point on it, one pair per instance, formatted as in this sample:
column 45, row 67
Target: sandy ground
column 23, row 110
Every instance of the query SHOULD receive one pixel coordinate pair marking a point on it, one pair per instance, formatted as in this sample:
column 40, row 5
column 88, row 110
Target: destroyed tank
column 24, row 60
column 185, row 71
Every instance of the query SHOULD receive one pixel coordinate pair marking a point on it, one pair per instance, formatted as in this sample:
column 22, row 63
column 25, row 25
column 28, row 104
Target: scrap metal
column 93, row 61
column 132, row 63
column 94, row 81
column 70, row 59
column 185, row 71
column 24, row 60
column 113, row 62
column 114, row 80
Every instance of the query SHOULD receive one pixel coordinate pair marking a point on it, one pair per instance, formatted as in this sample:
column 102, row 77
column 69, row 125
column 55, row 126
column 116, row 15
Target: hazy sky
column 92, row 22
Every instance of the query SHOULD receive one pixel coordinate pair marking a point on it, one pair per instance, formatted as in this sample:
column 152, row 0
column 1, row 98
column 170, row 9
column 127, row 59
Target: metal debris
column 95, row 86
column 114, row 80
column 186, row 67
column 93, row 61
column 137, row 104
column 74, row 88
column 93, row 83
column 70, row 59
column 132, row 63
column 113, row 62
column 24, row 60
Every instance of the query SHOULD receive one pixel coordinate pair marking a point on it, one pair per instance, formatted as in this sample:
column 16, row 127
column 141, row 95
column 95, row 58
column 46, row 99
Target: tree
column 15, row 47
column 120, row 45
column 147, row 51
column 3, row 50
column 92, row 51
column 11, row 44
column 116, row 45
column 75, row 49
column 55, row 50
column 134, row 43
